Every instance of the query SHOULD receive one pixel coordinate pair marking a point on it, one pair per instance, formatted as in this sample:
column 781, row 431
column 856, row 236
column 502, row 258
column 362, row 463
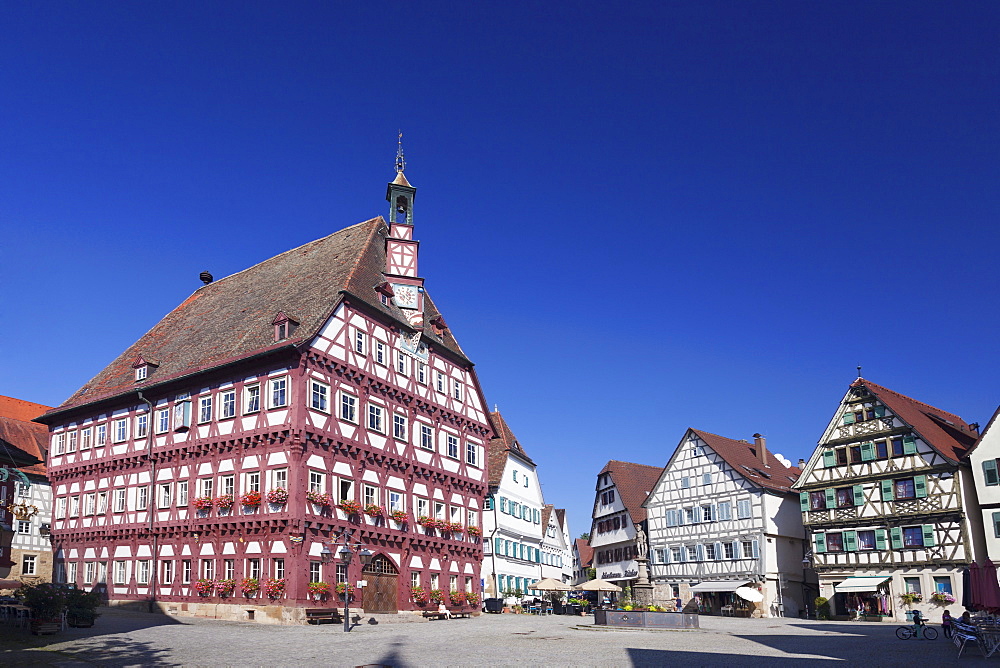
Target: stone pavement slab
column 138, row 639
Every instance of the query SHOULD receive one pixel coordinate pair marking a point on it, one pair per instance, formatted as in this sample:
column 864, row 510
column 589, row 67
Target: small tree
column 585, row 536
column 822, row 607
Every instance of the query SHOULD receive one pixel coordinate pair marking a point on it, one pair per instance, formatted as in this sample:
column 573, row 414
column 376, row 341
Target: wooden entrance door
column 381, row 594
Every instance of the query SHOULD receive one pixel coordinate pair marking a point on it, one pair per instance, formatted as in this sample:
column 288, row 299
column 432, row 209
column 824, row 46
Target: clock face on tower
column 405, row 295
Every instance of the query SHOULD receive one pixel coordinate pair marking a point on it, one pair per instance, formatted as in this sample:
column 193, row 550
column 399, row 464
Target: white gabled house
column 885, row 497
column 557, row 548
column 723, row 516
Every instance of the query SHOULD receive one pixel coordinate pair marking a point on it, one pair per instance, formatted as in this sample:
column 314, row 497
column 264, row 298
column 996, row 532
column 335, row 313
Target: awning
column 862, row 583
column 719, row 585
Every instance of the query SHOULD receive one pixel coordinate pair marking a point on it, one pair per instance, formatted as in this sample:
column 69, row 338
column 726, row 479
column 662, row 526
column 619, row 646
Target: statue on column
column 640, row 542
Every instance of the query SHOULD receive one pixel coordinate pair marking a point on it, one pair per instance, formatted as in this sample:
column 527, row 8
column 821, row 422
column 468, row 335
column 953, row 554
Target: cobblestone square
column 136, row 639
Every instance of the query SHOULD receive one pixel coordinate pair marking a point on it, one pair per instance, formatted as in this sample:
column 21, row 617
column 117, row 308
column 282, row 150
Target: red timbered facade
column 316, row 392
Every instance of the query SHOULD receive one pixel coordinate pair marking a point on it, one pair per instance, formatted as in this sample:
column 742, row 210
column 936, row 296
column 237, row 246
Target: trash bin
column 494, row 605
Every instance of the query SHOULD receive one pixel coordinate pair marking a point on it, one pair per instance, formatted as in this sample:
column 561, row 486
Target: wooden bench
column 434, row 614
column 320, row 615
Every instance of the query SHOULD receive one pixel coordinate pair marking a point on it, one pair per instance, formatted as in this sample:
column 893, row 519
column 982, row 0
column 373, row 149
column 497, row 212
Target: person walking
column 946, row 624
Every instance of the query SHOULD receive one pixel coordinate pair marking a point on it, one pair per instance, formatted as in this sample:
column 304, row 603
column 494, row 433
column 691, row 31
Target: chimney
column 760, row 443
column 802, row 463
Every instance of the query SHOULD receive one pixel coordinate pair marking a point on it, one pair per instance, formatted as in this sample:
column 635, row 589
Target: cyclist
column 918, row 624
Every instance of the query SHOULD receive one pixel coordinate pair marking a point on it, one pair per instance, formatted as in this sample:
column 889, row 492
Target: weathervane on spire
column 400, row 162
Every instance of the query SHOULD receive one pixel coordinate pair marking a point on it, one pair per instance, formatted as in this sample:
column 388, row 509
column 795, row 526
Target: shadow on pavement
column 665, row 657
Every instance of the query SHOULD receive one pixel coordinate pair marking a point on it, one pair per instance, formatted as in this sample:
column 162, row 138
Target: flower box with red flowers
column 278, row 496
column 204, row 502
column 419, row 596
column 251, row 499
column 319, row 589
column 274, row 587
column 436, row 595
column 398, row 516
column 472, row 598
column 225, row 502
column 429, row 522
column 456, row 528
column 204, row 586
column 474, row 531
column 350, row 507
column 249, row 586
column 371, row 510
column 344, row 590
column 457, row 598
column 319, row 498
column 225, row 587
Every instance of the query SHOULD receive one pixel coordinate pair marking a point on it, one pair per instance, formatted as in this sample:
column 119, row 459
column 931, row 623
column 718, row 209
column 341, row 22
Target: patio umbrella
column 599, row 585
column 990, row 587
column 967, row 588
column 548, row 584
column 975, row 586
column 749, row 594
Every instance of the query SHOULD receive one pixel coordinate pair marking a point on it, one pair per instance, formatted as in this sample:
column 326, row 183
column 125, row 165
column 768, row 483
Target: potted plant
column 277, row 496
column 225, row 502
column 474, row 531
column 911, row 597
column 372, row 510
column 436, row 595
column 345, row 590
column 81, row 608
column 319, row 590
column 225, row 587
column 274, row 587
column 942, row 598
column 204, row 586
column 457, row 598
column 204, row 503
column 349, row 507
column 456, row 528
column 46, row 602
column 250, row 587
column 472, row 598
column 398, row 516
column 250, row 500
column 319, row 498
column 419, row 596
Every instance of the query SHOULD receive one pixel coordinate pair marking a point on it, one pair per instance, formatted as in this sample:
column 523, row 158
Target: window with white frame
column 162, row 420
column 227, row 404
column 380, row 352
column 86, row 438
column 341, row 573
column 743, row 509
column 227, row 484
column 399, row 426
column 74, row 506
column 319, row 396
column 251, row 399
column 360, row 342
column 90, row 503
column 414, row 579
column 71, row 444
column 102, row 571
column 141, row 425
column 451, row 442
column 747, row 548
column 253, row 568
column 438, row 510
column 315, row 571
column 376, row 417
column 710, row 552
column 279, row 568
column 279, row 478
column 457, row 390
column 472, row 518
column 186, row 571
column 141, row 372
column 165, row 494
column 279, row 392
column 206, row 487
column 423, row 507
column 439, row 382
column 471, row 454
column 61, row 507
column 204, row 409
column 396, row 501
column 435, row 580
column 141, row 497
column 102, row 503
column 426, row 437
column 252, row 482
column 348, row 407
column 59, row 444
column 692, row 552
column 100, row 435
column 455, row 513
column 142, row 571
column 345, row 489
column 729, row 550
column 24, row 527
column 317, row 482
column 229, row 568
column 182, row 493
column 400, row 362
column 167, row 572
column 121, row 572
column 370, row 495
column 421, row 373
column 208, row 569
column 120, row 430
column 89, row 571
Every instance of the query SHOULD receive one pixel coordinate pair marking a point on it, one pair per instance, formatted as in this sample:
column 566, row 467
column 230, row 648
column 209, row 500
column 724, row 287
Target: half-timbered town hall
column 889, row 501
column 218, row 466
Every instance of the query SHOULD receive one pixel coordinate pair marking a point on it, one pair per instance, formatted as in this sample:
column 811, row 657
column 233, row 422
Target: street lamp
column 346, row 554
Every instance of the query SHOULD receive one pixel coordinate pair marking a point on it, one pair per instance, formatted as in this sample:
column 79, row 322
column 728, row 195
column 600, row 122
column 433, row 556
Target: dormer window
column 142, row 368
column 284, row 326
column 141, row 373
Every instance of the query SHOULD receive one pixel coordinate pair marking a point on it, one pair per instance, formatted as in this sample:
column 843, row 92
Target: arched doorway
column 381, row 594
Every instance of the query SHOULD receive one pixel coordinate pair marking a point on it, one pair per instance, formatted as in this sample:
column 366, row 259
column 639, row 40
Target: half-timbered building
column 889, row 501
column 513, row 522
column 622, row 487
column 315, row 398
column 985, row 463
column 722, row 517
column 556, row 550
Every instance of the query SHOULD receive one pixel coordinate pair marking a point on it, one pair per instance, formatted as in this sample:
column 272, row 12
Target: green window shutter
column 503, row 504
column 929, row 535
column 996, row 525
column 831, row 498
column 879, row 411
column 867, row 451
column 887, row 490
column 848, row 418
column 859, row 495
column 498, row 545
column 896, row 538
column 829, row 459
column 909, row 445
column 804, row 500
column 851, row 541
column 920, row 486
column 990, row 473
column 820, row 541
column 879, row 539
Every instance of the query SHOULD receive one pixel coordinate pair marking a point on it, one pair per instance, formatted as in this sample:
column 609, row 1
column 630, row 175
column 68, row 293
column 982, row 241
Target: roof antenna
column 400, row 162
column 859, row 371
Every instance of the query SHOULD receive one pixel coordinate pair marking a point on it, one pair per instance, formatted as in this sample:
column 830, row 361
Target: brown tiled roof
column 945, row 432
column 561, row 518
column 19, row 409
column 634, row 482
column 23, row 443
column 742, row 457
column 231, row 319
column 499, row 447
column 586, row 552
column 546, row 514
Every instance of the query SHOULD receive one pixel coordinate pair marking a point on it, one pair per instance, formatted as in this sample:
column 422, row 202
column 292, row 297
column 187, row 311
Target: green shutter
column 990, row 473
column 879, row 539
column 896, row 537
column 996, row 525
column 851, row 541
column 929, row 535
column 498, row 545
column 867, row 451
column 848, row 418
column 887, row 490
column 920, row 486
column 829, row 458
column 879, row 411
column 820, row 541
column 831, row 498
column 859, row 495
column 909, row 445
column 803, row 500
column 503, row 504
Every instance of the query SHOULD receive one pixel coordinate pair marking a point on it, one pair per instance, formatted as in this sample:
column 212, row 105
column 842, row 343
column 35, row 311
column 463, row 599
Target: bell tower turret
column 400, row 246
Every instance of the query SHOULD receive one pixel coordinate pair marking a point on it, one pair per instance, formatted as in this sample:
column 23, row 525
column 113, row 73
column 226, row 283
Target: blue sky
column 636, row 219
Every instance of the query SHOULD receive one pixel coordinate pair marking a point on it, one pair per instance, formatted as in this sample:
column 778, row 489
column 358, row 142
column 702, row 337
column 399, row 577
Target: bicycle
column 907, row 632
